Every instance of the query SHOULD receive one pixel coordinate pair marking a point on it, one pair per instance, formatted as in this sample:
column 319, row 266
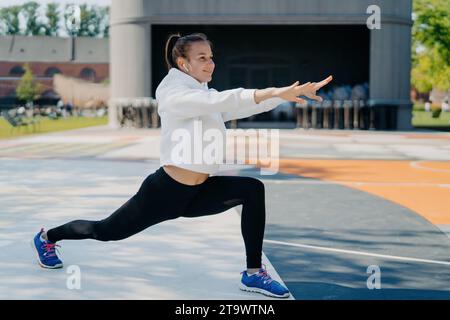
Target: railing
column 137, row 112
column 347, row 114
column 329, row 114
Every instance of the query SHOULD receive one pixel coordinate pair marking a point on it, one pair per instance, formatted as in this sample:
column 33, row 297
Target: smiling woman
column 186, row 189
column 191, row 54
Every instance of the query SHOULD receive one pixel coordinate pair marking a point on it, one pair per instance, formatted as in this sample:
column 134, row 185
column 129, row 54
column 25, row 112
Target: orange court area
column 421, row 186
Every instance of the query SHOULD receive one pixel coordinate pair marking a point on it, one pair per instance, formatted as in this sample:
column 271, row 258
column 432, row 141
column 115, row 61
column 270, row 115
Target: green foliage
column 28, row 88
column 52, row 15
column 94, row 20
column 9, row 20
column 436, row 112
column 33, row 26
column 91, row 21
column 431, row 45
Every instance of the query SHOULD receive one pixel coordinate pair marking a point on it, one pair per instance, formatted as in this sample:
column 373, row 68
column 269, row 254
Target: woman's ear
column 180, row 63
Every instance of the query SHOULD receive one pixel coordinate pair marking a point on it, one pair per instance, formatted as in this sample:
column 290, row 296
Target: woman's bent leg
column 220, row 193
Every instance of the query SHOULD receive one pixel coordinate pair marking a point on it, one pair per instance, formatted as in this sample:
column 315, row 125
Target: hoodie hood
column 175, row 75
column 175, row 78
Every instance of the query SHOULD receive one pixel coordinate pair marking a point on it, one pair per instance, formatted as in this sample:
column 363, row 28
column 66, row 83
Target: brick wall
column 8, row 83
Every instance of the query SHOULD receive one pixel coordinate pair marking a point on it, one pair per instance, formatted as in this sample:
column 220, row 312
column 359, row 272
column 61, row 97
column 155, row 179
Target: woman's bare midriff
column 185, row 176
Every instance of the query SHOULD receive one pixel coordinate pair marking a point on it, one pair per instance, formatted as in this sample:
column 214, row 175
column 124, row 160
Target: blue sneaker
column 261, row 282
column 45, row 251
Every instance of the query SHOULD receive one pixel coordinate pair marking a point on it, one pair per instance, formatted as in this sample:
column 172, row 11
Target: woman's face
column 200, row 64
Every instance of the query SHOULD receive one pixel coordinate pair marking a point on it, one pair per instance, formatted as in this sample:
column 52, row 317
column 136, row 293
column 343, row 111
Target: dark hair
column 178, row 46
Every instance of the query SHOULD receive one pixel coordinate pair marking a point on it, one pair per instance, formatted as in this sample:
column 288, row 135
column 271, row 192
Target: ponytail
column 170, row 44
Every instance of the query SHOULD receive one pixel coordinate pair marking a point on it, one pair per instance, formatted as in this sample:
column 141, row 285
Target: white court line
column 361, row 253
column 416, row 165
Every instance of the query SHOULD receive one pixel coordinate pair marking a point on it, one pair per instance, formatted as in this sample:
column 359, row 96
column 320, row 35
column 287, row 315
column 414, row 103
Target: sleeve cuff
column 272, row 103
column 248, row 98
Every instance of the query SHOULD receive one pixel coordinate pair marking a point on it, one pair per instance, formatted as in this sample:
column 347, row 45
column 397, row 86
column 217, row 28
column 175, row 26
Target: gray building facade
column 262, row 43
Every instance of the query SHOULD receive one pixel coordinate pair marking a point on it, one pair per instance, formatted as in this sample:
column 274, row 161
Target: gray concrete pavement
column 178, row 259
column 320, row 237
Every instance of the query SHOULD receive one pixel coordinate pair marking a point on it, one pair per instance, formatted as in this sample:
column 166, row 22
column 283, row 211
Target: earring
column 185, row 68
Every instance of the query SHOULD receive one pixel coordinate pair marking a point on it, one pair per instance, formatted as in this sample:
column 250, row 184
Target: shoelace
column 50, row 249
column 265, row 276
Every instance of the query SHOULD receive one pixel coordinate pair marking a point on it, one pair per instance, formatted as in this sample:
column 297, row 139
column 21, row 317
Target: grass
column 51, row 125
column 421, row 119
column 425, row 119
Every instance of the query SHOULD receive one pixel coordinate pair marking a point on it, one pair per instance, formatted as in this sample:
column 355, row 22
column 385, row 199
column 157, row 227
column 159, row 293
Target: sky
column 5, row 3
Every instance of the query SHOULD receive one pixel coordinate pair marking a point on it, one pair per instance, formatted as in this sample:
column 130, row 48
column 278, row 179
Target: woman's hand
column 308, row 89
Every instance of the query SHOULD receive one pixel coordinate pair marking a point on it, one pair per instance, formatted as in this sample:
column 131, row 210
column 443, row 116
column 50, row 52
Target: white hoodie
column 191, row 114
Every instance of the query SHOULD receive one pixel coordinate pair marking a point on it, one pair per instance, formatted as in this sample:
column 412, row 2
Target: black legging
column 162, row 198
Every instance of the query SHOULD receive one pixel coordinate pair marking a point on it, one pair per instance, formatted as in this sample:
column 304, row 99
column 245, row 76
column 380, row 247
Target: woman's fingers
column 304, row 85
column 309, row 89
column 324, row 82
column 302, row 89
column 314, row 97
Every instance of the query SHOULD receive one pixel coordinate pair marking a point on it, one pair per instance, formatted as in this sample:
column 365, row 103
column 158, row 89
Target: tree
column 52, row 15
column 90, row 20
column 9, row 18
column 104, row 18
column 33, row 26
column 431, row 45
column 28, row 89
column 94, row 20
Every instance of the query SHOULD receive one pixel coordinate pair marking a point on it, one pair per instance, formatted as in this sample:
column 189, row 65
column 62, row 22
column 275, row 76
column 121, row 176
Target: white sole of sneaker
column 243, row 287
column 33, row 247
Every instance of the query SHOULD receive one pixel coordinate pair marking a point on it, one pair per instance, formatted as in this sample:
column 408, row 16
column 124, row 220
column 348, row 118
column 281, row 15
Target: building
column 85, row 58
column 270, row 43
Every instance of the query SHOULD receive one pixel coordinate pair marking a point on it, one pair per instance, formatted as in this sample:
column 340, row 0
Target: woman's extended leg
column 152, row 204
column 220, row 193
column 124, row 222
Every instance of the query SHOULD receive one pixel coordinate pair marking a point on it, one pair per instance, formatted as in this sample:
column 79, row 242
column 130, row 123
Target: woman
column 184, row 98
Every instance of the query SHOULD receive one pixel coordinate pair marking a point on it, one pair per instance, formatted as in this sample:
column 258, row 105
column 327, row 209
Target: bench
column 19, row 122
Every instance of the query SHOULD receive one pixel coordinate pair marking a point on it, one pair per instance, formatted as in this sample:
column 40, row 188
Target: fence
column 336, row 114
column 137, row 112
column 329, row 114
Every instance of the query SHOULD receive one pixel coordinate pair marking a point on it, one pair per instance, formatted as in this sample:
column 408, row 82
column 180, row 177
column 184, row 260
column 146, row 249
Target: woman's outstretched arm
column 292, row 92
column 269, row 98
column 182, row 101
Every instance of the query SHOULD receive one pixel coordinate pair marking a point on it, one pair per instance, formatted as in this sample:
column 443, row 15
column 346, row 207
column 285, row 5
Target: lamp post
column 73, row 23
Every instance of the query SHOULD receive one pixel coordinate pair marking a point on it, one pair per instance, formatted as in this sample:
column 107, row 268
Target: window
column 88, row 74
column 51, row 71
column 16, row 71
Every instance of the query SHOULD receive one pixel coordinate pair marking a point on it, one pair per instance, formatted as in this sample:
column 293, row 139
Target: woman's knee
column 252, row 189
column 255, row 186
